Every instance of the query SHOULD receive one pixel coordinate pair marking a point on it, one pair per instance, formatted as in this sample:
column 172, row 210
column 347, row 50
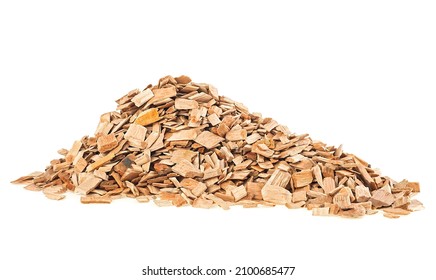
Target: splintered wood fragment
column 163, row 203
column 261, row 149
column 211, row 173
column 100, row 162
column 106, row 142
column 187, row 169
column 276, row 194
column 415, row 205
column 185, row 104
column 240, row 175
column 381, row 198
column 147, row 117
column 186, row 134
column 135, row 132
column 73, row 152
column 54, row 196
column 397, row 211
column 27, row 178
column 391, row 216
column 218, row 201
column 299, row 195
column 328, row 185
column 56, row 189
column 302, row 178
column 142, row 97
column 270, row 125
column 163, row 93
column 80, row 165
column 183, row 79
column 214, row 119
column 342, row 199
column 362, row 169
column 143, row 199
column 318, row 176
column 95, row 199
column 198, row 189
column 239, row 192
column 414, row 186
column 202, row 203
column 236, row 134
column 279, row 178
column 208, row 139
column 180, row 154
column 254, row 137
column 90, row 183
column 255, row 190
column 355, row 211
column 362, row 193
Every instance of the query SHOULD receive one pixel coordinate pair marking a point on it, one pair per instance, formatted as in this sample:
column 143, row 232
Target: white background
column 359, row 73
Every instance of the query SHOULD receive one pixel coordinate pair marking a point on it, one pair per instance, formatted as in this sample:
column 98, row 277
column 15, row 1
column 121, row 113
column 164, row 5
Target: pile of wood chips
column 180, row 143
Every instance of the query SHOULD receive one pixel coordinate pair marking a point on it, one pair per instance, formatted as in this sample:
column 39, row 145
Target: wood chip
column 276, row 194
column 135, row 132
column 185, row 104
column 95, row 199
column 239, row 192
column 186, row 134
column 88, row 184
column 362, row 193
column 236, row 134
column 106, row 142
column 142, row 97
column 382, row 198
column 208, row 139
column 187, row 169
column 302, row 178
column 147, row 117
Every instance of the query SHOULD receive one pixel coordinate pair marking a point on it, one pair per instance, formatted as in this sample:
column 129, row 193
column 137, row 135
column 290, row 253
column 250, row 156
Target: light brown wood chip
column 142, row 97
column 90, row 183
column 208, row 139
column 187, row 169
column 95, row 199
column 106, row 142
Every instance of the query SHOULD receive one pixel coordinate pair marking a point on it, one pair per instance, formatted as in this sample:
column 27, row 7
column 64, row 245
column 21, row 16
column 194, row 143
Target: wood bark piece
column 180, row 143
